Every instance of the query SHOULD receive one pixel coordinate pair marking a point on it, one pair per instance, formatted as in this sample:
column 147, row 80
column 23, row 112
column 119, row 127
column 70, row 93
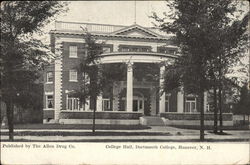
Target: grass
column 197, row 127
column 78, row 126
column 220, row 133
column 65, row 133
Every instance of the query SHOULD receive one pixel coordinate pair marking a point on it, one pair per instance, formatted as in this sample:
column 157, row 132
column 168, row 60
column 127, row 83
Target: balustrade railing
column 74, row 26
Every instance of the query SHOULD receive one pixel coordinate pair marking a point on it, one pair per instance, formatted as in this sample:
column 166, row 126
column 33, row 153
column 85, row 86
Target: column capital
column 130, row 66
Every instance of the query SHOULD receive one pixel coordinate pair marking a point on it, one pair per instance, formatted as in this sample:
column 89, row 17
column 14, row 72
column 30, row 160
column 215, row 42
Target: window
column 135, row 105
column 122, row 105
column 190, row 104
column 73, row 75
column 106, row 49
column 132, row 48
column 145, row 50
column 72, row 103
column 106, row 105
column 73, row 51
column 166, row 50
column 171, row 51
column 124, row 49
column 49, row 102
column 207, row 108
column 161, row 50
column 140, row 104
column 49, row 77
column 167, row 103
column 135, row 49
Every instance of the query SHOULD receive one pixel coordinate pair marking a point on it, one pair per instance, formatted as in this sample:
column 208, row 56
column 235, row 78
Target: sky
column 108, row 12
column 113, row 12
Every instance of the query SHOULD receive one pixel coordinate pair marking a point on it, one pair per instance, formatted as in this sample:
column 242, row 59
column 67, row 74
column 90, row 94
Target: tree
column 96, row 77
column 231, row 42
column 200, row 29
column 244, row 102
column 91, row 80
column 111, row 73
column 22, row 56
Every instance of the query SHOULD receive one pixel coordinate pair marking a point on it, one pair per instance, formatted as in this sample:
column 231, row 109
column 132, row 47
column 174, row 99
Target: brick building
column 134, row 100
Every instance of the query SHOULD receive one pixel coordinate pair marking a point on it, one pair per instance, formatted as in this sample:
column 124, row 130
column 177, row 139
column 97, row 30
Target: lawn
column 197, row 127
column 101, row 133
column 78, row 126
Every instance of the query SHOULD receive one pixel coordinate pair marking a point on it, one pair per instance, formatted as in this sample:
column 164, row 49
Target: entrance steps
column 151, row 121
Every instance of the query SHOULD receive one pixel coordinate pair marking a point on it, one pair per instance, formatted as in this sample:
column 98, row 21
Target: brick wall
column 48, row 114
column 70, row 64
column 99, row 115
column 48, row 87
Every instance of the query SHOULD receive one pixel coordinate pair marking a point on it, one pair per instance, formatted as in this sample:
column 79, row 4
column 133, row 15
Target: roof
column 134, row 30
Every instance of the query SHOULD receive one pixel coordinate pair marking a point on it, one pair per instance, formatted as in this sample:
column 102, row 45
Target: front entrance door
column 138, row 105
column 135, row 105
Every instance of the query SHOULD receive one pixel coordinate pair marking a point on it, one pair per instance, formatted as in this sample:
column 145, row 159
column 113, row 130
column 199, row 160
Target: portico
column 130, row 59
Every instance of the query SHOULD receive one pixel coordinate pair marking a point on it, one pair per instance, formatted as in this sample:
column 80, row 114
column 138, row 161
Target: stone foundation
column 194, row 122
column 195, row 116
column 99, row 121
column 100, row 115
column 194, row 119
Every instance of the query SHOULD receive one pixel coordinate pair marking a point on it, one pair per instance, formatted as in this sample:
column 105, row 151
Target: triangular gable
column 135, row 30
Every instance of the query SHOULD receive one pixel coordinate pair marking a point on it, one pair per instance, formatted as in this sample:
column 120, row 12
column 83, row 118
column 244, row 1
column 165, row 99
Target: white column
column 115, row 47
column 205, row 101
column 99, row 103
column 162, row 93
column 154, row 48
column 129, row 87
column 58, row 81
column 87, row 105
column 180, row 101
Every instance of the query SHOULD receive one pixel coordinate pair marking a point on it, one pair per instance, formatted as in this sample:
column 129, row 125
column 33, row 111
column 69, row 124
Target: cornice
column 110, row 35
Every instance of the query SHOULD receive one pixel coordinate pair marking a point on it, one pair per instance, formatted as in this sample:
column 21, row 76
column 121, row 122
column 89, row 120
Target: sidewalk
column 156, row 133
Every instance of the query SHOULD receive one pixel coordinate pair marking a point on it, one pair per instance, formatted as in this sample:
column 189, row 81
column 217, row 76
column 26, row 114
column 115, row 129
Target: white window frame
column 167, row 96
column 207, row 107
column 103, row 108
column 72, row 51
column 73, row 100
column 47, row 77
column 190, row 105
column 124, row 49
column 47, row 103
column 71, row 79
column 106, row 49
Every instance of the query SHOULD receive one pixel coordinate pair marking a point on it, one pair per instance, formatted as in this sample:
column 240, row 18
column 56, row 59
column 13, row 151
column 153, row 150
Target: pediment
column 135, row 31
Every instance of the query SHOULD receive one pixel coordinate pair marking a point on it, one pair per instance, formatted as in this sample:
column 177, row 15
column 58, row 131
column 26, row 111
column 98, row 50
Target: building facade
column 134, row 99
